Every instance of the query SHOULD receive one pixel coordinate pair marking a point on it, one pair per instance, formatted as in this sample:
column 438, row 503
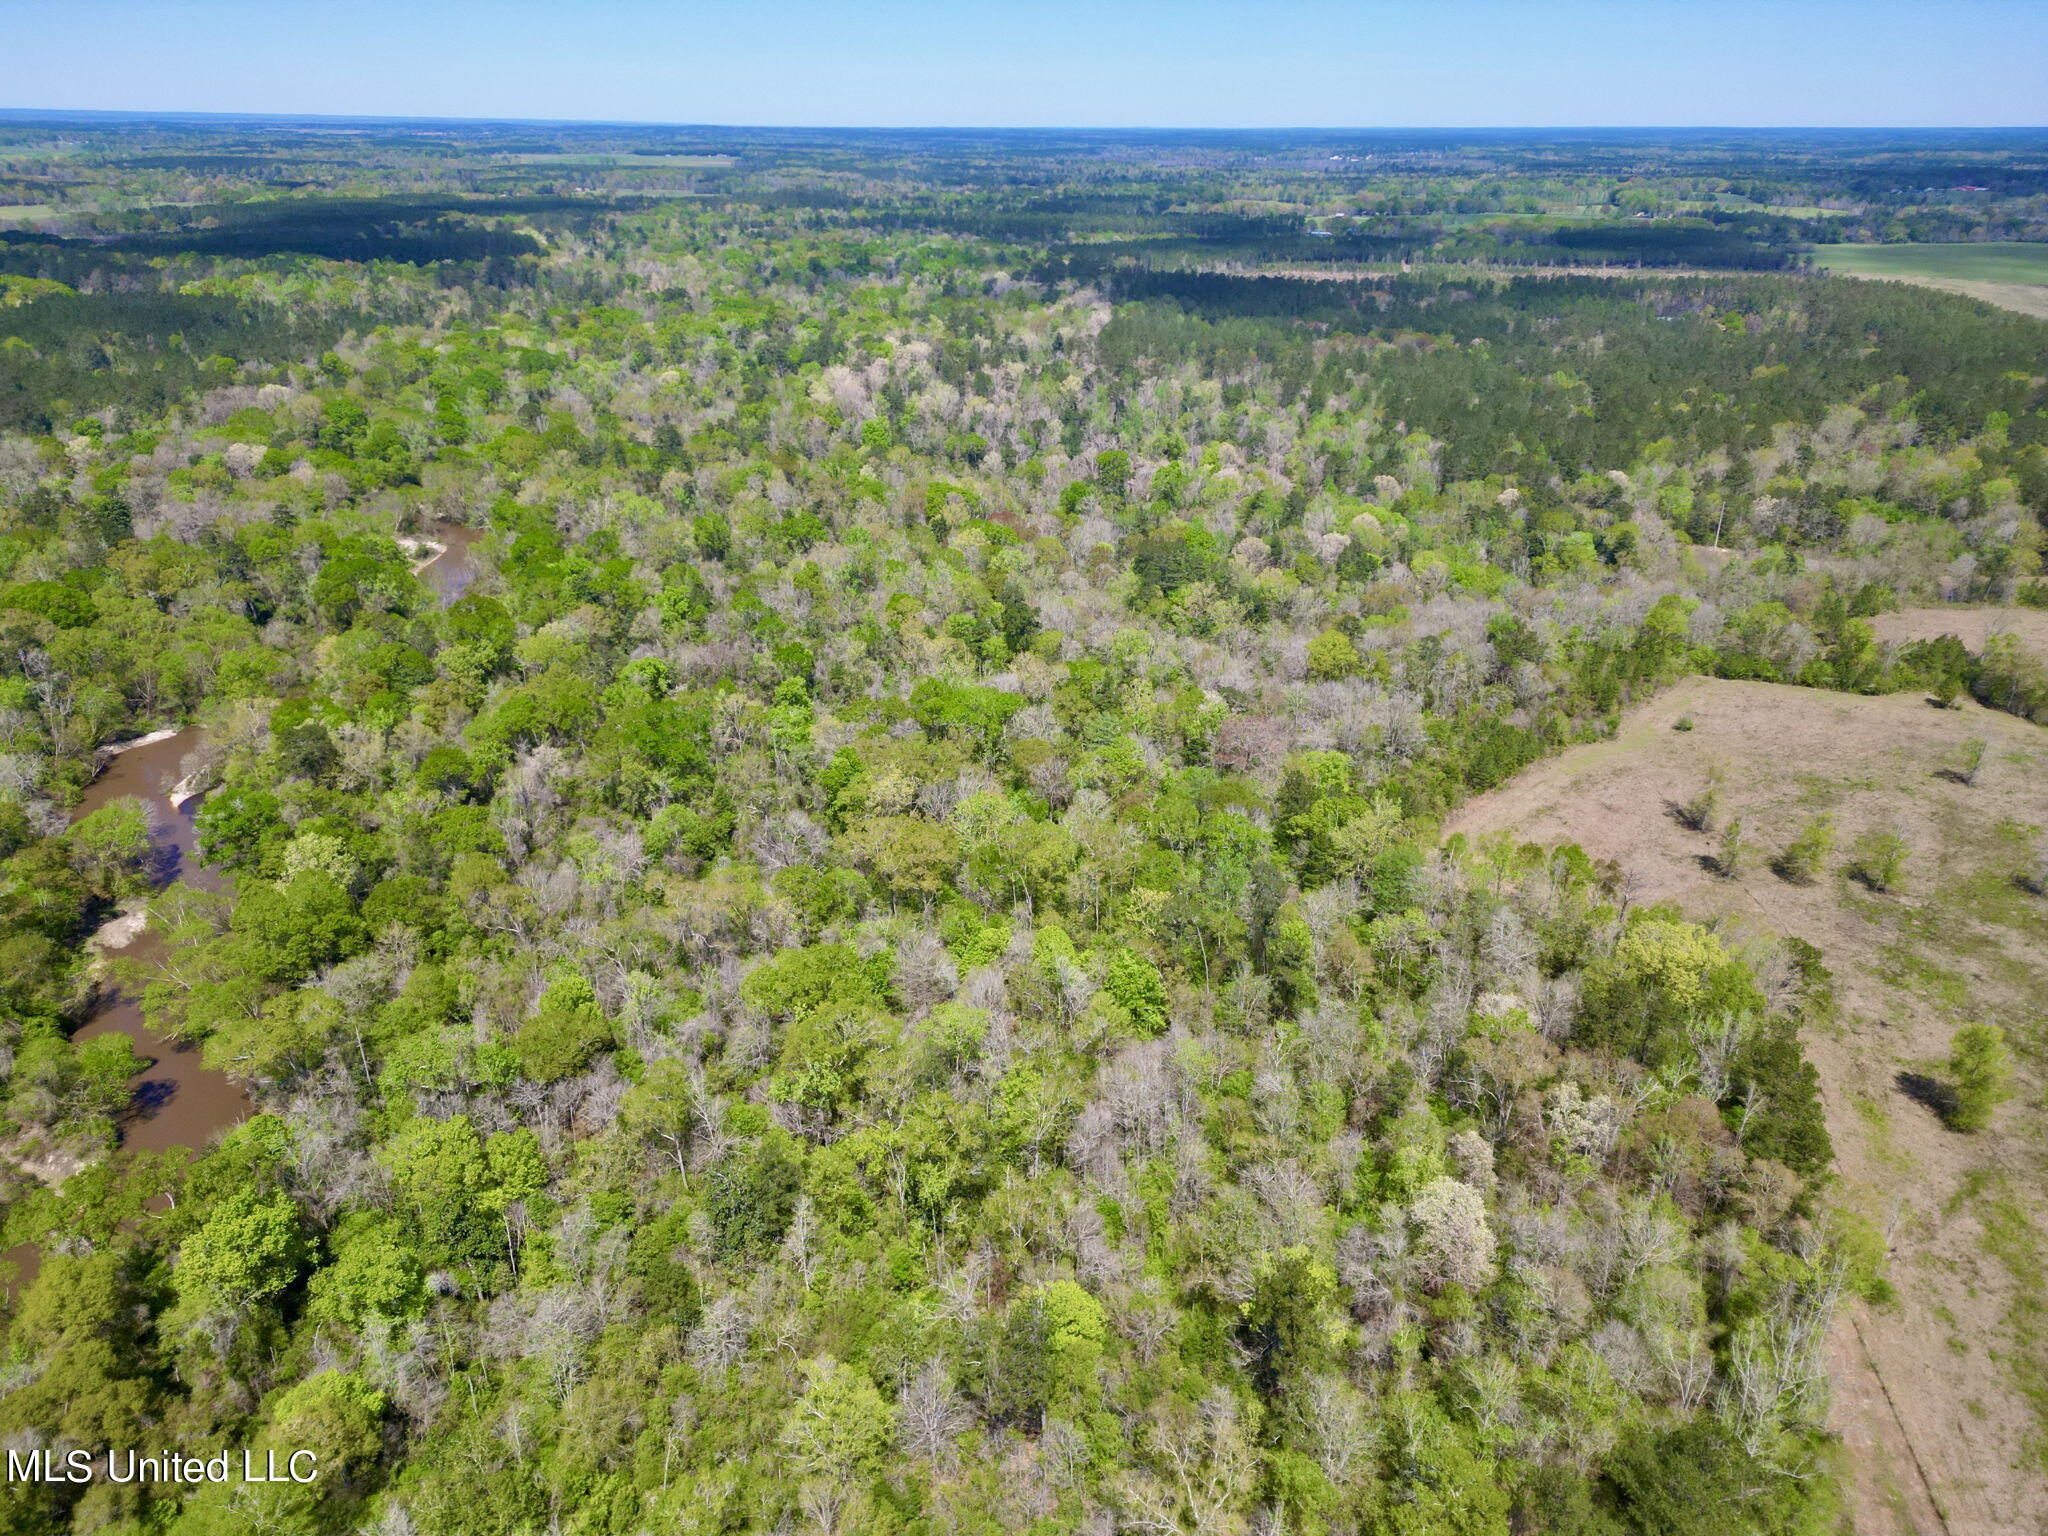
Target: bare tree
column 933, row 1415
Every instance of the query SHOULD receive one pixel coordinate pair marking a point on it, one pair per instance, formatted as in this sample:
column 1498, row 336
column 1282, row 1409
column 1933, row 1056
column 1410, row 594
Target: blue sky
column 1105, row 63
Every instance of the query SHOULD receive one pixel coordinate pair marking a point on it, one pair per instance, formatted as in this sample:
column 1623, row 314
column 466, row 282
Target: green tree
column 1807, row 854
column 1331, row 655
column 1980, row 1074
column 249, row 1249
column 372, row 1274
column 1134, row 984
column 1729, row 859
column 1878, row 859
column 111, row 847
column 1113, row 471
column 838, row 1432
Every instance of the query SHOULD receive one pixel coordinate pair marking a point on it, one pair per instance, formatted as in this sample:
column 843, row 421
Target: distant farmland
column 2010, row 273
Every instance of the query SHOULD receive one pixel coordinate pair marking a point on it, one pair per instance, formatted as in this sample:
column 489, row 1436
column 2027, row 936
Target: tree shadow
column 163, row 864
column 1685, row 816
column 1929, row 1093
column 150, row 1097
column 1788, row 874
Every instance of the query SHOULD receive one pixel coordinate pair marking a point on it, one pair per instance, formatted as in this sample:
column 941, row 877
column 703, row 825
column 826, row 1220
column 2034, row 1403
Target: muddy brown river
column 450, row 572
column 178, row 1101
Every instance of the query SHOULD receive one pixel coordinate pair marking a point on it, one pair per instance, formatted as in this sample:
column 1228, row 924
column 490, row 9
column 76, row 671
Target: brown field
column 1942, row 1398
column 1972, row 626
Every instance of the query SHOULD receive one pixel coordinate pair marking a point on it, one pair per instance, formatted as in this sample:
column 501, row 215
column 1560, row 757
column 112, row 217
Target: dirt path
column 1931, row 1393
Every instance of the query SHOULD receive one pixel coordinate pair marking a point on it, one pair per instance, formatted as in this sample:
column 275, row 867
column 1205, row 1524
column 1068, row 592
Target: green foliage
column 1134, row 984
column 1806, row 855
column 247, row 1252
column 1878, row 859
column 1980, row 1074
column 880, row 918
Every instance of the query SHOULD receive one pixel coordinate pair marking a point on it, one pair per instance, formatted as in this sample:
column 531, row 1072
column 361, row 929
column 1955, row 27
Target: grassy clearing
column 1998, row 261
column 2009, row 273
column 2015, row 1241
column 1963, row 1355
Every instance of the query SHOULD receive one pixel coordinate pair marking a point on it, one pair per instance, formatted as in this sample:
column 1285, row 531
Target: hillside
column 1941, row 1396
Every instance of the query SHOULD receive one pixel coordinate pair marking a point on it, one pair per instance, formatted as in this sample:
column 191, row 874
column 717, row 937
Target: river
column 450, row 572
column 179, row 1101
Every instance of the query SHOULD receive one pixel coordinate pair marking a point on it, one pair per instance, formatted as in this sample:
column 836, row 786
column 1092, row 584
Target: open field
column 1941, row 1397
column 620, row 161
column 2011, row 274
column 1972, row 626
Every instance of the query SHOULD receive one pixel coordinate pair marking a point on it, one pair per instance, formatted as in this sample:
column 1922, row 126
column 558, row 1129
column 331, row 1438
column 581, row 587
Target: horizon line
column 179, row 114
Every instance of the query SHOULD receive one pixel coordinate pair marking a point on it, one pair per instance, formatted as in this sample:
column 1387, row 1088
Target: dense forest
column 883, row 959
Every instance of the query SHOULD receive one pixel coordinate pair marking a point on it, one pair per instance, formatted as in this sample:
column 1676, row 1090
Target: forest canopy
column 819, row 767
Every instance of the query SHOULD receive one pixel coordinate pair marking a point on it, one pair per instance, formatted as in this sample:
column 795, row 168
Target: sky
column 1054, row 63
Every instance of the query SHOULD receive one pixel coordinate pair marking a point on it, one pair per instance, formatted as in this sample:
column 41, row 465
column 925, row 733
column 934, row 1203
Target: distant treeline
column 1541, row 375
column 415, row 230
column 142, row 351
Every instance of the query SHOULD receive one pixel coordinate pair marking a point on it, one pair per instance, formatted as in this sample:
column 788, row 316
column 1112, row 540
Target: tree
column 1728, row 861
column 1446, row 1487
column 111, row 847
column 249, row 1249
column 1075, row 1335
column 1134, row 984
column 1980, row 1072
column 2035, row 877
column 1697, row 1480
column 93, row 1387
column 297, row 927
column 373, row 1274
column 1113, row 470
column 910, row 855
column 1331, row 655
column 1453, row 1241
column 442, row 1177
column 661, row 1110
column 837, row 1435
column 565, row 1032
column 1700, row 811
column 1292, row 1316
column 1675, row 957
column 1878, row 859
